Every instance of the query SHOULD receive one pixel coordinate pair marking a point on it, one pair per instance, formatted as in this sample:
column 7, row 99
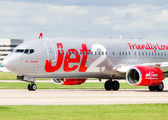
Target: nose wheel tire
column 32, row 87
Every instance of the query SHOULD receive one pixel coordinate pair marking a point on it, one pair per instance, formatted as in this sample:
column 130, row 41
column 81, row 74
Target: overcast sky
column 25, row 19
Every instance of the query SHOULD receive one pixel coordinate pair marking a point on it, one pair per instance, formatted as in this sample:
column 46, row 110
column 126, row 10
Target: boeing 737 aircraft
column 70, row 61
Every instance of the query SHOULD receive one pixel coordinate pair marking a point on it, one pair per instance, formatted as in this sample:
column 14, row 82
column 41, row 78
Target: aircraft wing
column 123, row 68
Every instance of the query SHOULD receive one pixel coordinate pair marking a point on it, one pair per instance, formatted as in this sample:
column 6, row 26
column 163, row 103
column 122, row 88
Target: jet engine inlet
column 144, row 76
column 134, row 76
column 57, row 81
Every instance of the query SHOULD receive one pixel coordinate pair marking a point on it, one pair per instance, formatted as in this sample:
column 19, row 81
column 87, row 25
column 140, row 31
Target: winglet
column 41, row 36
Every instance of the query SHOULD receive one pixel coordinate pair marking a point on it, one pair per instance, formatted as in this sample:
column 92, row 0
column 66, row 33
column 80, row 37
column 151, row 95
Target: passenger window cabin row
column 144, row 53
column 83, row 53
column 114, row 53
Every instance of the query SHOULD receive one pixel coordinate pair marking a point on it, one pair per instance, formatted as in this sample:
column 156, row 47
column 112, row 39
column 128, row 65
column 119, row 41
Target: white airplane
column 70, row 61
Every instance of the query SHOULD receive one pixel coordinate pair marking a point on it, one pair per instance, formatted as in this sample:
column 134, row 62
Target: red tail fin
column 41, row 36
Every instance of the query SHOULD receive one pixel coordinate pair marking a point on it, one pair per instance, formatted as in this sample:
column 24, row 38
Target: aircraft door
column 50, row 51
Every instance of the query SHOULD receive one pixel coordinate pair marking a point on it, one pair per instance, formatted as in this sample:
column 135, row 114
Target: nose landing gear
column 32, row 87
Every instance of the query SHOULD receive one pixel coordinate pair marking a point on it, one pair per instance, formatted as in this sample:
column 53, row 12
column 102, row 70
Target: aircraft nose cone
column 9, row 64
column 6, row 63
column 12, row 63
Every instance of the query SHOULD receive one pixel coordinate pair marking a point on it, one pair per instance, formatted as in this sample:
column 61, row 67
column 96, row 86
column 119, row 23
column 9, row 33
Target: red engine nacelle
column 144, row 76
column 68, row 81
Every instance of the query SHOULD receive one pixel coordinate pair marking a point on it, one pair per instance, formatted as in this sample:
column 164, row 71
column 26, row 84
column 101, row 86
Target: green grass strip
column 50, row 85
column 85, row 112
column 7, row 76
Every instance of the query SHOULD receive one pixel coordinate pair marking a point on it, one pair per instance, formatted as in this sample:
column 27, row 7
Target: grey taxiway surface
column 82, row 97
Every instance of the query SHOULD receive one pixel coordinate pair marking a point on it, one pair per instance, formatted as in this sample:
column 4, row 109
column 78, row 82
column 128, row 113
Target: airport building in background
column 6, row 47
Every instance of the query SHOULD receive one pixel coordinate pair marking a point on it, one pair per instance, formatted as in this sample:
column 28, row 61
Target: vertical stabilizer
column 41, row 36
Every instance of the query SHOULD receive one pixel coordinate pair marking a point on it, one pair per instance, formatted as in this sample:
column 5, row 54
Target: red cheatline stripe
column 31, row 61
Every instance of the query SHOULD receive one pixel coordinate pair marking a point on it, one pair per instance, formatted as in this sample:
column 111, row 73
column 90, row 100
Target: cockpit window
column 19, row 50
column 31, row 51
column 26, row 51
column 13, row 50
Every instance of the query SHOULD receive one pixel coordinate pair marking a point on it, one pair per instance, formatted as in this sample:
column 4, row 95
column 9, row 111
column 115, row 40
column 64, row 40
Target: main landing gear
column 32, row 87
column 111, row 85
column 159, row 87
